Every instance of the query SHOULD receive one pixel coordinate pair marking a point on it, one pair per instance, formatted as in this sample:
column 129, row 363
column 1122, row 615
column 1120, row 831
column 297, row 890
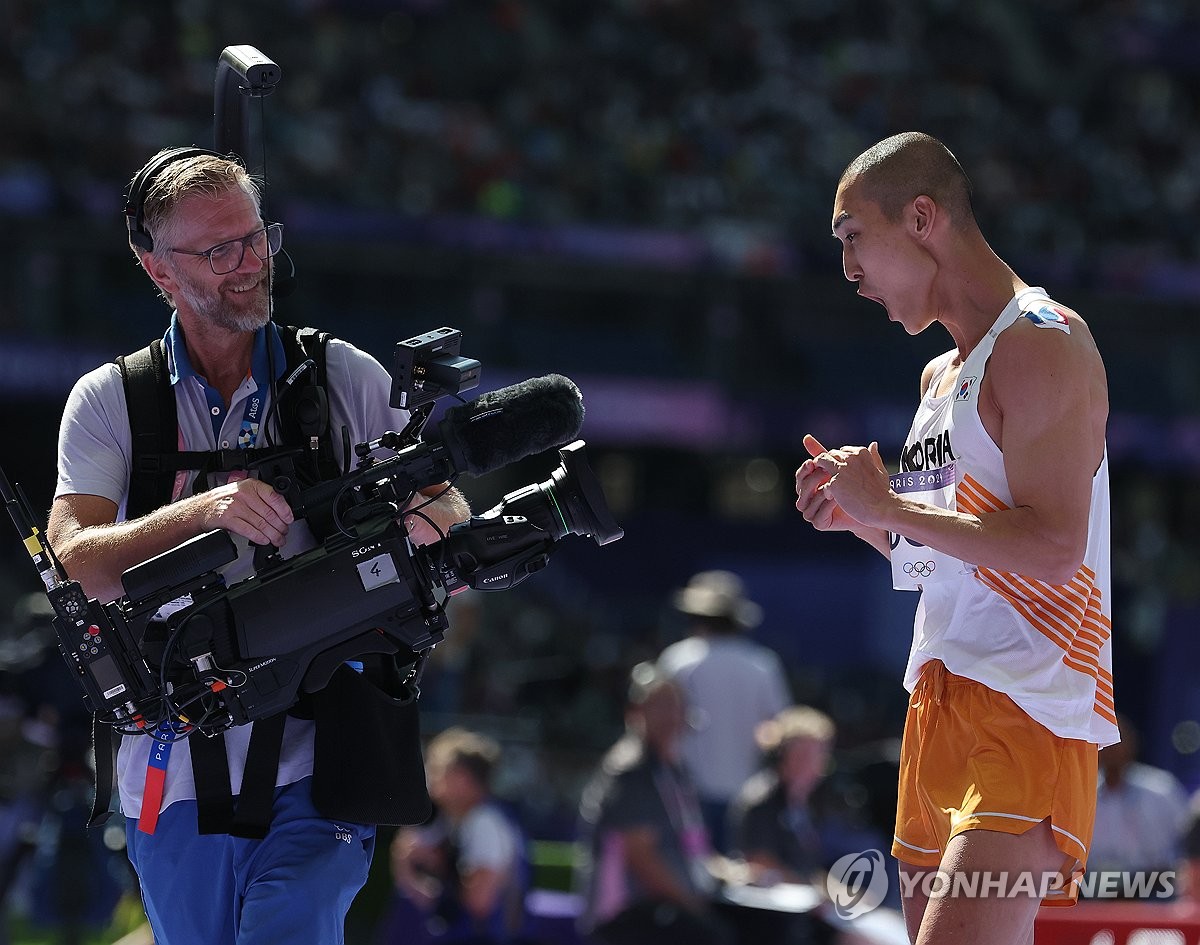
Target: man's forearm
column 97, row 555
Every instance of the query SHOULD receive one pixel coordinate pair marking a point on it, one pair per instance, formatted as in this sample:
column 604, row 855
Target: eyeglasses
column 226, row 257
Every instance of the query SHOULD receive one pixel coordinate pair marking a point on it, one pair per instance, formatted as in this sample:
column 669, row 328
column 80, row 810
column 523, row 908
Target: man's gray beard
column 247, row 321
column 211, row 310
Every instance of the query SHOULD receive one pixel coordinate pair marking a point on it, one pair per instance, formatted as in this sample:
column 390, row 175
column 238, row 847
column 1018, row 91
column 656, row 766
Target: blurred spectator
column 731, row 685
column 465, row 872
column 1141, row 811
column 645, row 875
column 772, row 824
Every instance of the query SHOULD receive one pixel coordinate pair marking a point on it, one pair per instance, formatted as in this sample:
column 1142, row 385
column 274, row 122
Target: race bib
column 914, row 564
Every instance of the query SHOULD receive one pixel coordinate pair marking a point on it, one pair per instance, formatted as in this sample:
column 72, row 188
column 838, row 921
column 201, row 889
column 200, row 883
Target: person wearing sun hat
column 731, row 684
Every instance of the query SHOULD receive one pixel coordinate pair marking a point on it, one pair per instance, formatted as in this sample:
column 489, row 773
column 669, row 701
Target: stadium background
column 636, row 193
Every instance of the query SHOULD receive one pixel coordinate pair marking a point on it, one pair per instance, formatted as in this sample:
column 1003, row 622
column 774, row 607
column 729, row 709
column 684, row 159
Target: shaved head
column 898, row 169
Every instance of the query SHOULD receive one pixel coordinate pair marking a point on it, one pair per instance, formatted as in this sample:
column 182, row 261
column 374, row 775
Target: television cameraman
column 198, row 232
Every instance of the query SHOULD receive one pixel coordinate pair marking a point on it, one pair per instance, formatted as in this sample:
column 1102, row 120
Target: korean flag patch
column 1049, row 316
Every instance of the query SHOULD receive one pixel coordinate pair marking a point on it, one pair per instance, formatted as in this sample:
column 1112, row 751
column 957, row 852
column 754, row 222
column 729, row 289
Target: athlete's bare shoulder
column 1049, row 333
column 1046, row 361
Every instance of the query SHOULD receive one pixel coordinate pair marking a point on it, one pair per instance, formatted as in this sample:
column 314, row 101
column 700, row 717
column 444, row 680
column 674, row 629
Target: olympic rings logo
column 919, row 568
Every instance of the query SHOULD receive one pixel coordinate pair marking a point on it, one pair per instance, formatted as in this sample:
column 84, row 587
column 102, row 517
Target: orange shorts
column 972, row 759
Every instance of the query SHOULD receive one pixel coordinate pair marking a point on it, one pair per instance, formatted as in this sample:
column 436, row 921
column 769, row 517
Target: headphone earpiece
column 135, row 196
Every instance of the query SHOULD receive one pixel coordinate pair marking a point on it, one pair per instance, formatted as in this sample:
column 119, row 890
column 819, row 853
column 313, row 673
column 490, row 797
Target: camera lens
column 570, row 502
column 575, row 493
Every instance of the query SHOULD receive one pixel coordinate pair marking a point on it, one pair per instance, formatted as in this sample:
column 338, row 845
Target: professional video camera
column 182, row 649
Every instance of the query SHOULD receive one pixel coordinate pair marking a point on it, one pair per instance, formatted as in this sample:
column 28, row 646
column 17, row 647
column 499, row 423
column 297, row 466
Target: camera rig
column 185, row 650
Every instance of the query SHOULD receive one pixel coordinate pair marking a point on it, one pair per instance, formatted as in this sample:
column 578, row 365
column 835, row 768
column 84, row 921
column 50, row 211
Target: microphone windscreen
column 506, row 425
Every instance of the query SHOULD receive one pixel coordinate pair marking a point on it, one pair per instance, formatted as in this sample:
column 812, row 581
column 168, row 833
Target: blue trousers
column 294, row 886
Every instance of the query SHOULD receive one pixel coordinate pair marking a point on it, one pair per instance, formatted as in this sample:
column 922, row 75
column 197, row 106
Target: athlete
column 998, row 517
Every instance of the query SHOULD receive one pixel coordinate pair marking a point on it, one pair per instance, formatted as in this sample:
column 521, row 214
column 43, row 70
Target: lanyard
column 156, row 775
column 252, row 415
column 251, row 420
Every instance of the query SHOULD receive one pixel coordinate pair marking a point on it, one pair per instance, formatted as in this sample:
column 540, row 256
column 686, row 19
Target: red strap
column 156, row 776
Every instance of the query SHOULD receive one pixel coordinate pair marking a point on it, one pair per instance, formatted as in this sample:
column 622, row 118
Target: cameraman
column 199, row 234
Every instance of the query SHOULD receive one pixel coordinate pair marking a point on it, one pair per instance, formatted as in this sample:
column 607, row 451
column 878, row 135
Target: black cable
column 431, row 522
column 276, row 393
column 270, row 262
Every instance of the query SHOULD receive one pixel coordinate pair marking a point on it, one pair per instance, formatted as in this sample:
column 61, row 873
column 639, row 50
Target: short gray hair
column 207, row 175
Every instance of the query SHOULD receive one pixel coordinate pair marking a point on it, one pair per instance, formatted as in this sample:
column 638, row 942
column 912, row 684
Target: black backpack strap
column 304, row 417
column 104, row 747
column 306, row 343
column 257, row 795
column 153, row 425
column 214, row 796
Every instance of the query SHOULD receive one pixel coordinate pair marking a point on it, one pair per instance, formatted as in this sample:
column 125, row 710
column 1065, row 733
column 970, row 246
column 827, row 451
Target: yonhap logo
column 857, row 883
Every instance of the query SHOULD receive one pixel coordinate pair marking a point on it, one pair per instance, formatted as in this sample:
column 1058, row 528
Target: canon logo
column 498, row 577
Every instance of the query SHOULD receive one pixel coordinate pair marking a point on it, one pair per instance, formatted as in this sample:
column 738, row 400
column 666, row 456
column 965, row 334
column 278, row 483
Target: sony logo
column 359, row 552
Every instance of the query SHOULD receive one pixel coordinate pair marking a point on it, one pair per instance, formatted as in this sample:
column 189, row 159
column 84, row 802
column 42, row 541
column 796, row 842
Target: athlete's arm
column 95, row 549
column 1044, row 401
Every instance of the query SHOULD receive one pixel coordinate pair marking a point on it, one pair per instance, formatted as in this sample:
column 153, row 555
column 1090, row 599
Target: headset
column 139, row 187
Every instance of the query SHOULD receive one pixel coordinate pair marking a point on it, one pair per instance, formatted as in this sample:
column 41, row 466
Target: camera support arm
column 242, row 71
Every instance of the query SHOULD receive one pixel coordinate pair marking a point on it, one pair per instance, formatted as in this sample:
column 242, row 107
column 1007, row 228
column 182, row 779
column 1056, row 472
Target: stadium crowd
column 725, row 120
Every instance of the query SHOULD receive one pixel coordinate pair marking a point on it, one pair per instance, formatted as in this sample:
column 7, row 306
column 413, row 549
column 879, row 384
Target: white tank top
column 1044, row 645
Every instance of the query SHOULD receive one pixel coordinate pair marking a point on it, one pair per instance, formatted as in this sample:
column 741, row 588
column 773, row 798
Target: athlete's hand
column 858, row 482
column 818, row 506
column 250, row 508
